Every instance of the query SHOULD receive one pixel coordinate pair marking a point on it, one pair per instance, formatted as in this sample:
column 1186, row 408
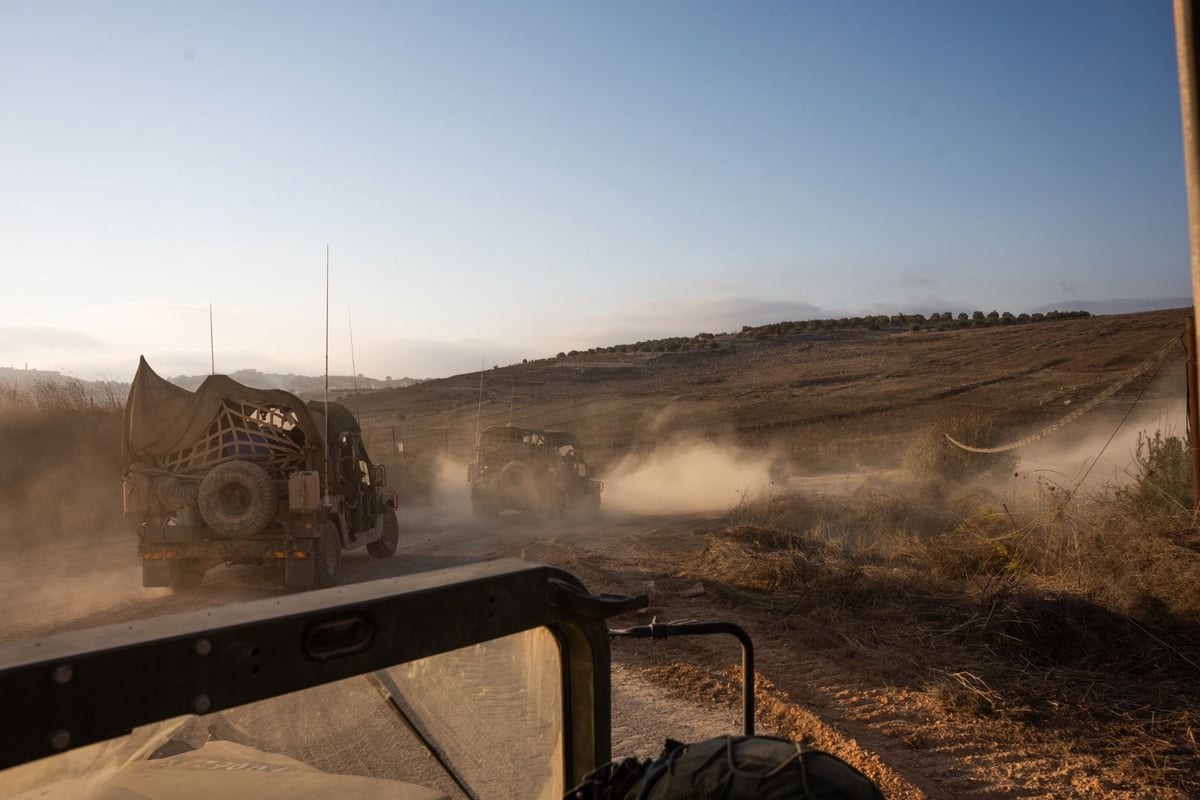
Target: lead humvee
column 532, row 471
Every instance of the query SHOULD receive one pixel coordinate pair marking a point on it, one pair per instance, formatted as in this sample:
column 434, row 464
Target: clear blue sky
column 500, row 180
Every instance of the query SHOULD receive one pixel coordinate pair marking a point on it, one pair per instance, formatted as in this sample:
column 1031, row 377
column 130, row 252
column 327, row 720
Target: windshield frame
column 71, row 689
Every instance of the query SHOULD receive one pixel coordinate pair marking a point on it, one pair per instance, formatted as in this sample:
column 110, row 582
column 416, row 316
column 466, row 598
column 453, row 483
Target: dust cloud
column 679, row 478
column 1092, row 453
column 451, row 492
column 686, row 477
column 44, row 590
column 69, row 552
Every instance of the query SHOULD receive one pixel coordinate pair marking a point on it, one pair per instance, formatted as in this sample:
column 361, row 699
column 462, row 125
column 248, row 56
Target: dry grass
column 930, row 454
column 58, row 396
column 60, row 478
column 1076, row 618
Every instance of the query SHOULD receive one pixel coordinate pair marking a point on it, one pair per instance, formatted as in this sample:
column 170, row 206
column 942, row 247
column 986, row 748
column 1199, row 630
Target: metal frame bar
column 661, row 630
column 72, row 689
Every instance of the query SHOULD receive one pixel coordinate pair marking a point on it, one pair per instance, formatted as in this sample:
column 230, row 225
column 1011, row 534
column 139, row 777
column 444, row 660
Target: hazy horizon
column 1109, row 307
column 507, row 182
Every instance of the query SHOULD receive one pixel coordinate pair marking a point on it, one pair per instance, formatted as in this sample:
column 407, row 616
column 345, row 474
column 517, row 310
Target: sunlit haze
column 498, row 181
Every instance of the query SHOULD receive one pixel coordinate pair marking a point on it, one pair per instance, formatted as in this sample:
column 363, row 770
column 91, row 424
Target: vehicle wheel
column 186, row 574
column 298, row 573
column 327, row 556
column 237, row 499
column 385, row 546
column 514, row 476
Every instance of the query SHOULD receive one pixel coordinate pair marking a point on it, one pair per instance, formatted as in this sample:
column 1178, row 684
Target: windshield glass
column 484, row 719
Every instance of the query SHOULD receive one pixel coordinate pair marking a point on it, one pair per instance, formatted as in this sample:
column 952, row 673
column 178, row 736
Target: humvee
column 233, row 474
column 536, row 471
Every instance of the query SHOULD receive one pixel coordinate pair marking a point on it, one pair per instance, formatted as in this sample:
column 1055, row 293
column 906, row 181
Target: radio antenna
column 328, row 476
column 212, row 350
column 354, row 369
column 479, row 408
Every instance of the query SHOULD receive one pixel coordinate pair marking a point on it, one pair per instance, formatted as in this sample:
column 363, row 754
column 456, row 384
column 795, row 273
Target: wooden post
column 1193, row 410
column 1187, row 31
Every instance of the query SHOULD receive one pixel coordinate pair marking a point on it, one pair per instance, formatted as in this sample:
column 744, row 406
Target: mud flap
column 156, row 572
column 299, row 573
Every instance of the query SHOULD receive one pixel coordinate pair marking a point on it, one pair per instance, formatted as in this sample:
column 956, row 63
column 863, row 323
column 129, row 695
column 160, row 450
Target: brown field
column 1034, row 635
column 827, row 397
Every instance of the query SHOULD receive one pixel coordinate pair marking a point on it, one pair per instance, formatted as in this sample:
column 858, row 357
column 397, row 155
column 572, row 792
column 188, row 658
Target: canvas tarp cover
column 162, row 418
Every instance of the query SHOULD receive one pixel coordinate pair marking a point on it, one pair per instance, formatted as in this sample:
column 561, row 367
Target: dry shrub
column 980, row 550
column 1139, row 570
column 754, row 558
column 59, row 395
column 878, row 524
column 963, row 692
column 780, row 511
column 1104, row 548
column 1163, row 475
column 1128, row 554
column 932, row 457
column 1071, row 617
column 831, row 563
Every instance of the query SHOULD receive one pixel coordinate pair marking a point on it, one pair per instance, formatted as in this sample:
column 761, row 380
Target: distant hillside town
column 303, row 385
column 27, row 380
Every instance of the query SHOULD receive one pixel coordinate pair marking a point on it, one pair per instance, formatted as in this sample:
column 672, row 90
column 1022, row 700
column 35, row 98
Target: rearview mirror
column 379, row 475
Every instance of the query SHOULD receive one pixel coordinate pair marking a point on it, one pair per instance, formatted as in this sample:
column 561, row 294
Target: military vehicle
column 237, row 475
column 485, row 680
column 534, row 471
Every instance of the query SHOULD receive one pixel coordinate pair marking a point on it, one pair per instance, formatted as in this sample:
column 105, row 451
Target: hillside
column 863, row 390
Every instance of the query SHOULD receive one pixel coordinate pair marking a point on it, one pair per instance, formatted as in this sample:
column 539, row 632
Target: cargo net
column 270, row 436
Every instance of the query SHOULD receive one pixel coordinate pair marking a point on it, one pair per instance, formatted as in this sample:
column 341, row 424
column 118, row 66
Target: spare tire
column 237, row 499
column 514, row 476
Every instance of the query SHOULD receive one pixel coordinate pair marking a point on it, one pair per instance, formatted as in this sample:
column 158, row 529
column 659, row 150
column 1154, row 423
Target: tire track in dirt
column 911, row 748
column 904, row 738
column 858, row 412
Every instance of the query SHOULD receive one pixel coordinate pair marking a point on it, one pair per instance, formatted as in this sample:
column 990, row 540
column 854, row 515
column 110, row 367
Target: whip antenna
column 327, row 473
column 212, row 350
column 354, row 369
column 479, row 408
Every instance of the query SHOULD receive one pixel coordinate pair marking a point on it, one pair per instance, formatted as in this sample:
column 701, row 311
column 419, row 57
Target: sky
column 495, row 181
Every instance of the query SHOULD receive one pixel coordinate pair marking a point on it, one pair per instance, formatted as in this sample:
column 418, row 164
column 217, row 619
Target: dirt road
column 53, row 591
column 684, row 689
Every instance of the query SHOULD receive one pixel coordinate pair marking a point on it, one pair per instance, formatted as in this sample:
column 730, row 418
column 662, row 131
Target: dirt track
column 660, row 689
